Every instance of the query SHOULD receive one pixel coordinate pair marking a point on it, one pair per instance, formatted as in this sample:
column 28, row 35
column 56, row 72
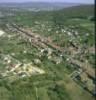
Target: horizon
column 49, row 1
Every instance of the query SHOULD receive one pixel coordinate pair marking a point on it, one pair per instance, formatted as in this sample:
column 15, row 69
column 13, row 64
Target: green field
column 56, row 83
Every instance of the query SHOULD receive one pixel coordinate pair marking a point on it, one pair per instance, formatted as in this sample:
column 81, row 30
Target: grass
column 56, row 83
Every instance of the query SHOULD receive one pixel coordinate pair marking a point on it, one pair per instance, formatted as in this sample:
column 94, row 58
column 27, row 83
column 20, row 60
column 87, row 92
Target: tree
column 58, row 21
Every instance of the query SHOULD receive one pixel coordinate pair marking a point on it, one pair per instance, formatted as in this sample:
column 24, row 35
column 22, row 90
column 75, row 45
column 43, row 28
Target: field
column 57, row 49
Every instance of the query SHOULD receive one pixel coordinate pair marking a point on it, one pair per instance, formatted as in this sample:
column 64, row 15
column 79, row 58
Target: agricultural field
column 47, row 55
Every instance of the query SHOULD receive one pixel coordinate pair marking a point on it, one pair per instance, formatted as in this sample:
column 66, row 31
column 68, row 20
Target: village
column 47, row 55
column 83, row 73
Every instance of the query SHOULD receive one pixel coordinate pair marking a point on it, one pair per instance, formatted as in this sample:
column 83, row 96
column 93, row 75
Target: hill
column 81, row 10
column 38, row 5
